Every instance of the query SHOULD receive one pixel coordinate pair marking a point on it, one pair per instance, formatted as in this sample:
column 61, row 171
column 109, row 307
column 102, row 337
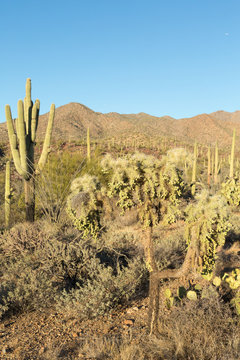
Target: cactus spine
column 232, row 155
column 22, row 142
column 7, row 194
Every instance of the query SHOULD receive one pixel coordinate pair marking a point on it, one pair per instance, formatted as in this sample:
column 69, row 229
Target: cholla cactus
column 144, row 182
column 207, row 226
column 135, row 181
column 179, row 157
column 231, row 191
column 138, row 182
column 233, row 281
column 84, row 204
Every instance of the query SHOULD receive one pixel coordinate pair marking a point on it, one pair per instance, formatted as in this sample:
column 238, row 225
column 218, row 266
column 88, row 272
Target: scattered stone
column 42, row 350
column 128, row 322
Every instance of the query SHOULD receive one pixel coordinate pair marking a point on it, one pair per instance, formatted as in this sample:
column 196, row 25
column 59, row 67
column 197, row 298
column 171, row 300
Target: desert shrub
column 26, row 268
column 43, row 266
column 103, row 289
column 53, row 183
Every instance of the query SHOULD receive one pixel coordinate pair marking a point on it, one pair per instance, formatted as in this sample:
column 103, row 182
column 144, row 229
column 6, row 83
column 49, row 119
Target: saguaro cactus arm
column 22, row 137
column 47, row 140
column 14, row 145
column 34, row 123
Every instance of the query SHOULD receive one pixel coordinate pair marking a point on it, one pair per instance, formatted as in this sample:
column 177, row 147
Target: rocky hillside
column 73, row 119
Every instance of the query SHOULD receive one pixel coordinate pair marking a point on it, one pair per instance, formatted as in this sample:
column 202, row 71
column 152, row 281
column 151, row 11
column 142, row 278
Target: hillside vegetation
column 132, row 250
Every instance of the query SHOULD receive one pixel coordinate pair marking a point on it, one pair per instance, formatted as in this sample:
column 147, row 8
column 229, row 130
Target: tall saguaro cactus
column 194, row 169
column 232, row 155
column 88, row 145
column 209, row 167
column 217, row 166
column 22, row 136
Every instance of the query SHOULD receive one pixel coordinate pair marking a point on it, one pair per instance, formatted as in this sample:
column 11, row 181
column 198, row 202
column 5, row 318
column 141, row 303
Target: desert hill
column 73, row 119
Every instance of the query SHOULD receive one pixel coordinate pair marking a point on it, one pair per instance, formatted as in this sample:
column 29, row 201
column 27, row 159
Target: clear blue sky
column 162, row 57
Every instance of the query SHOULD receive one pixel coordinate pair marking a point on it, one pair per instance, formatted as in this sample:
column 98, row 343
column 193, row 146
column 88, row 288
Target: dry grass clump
column 201, row 330
column 170, row 245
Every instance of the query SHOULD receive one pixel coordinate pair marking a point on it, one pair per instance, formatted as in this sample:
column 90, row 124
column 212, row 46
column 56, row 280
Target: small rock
column 135, row 308
column 6, row 349
column 42, row 350
column 128, row 322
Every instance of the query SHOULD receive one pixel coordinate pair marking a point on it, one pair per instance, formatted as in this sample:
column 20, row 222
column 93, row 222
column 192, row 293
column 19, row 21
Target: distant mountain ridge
column 73, row 119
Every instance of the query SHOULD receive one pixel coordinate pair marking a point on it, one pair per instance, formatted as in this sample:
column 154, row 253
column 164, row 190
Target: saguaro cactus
column 22, row 138
column 232, row 155
column 209, row 166
column 217, row 165
column 88, row 145
column 194, row 169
